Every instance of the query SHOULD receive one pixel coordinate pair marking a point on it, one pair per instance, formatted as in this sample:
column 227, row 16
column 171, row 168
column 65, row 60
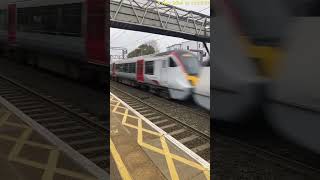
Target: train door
column 164, row 73
column 12, row 23
column 140, row 67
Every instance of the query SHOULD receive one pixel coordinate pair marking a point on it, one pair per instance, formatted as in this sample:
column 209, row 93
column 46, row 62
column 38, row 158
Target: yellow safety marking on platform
column 165, row 149
column 4, row 117
column 31, row 143
column 20, row 143
column 167, row 154
column 17, row 125
column 116, row 107
column 50, row 167
column 124, row 173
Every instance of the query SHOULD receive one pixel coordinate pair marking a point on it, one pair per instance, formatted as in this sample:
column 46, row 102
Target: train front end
column 185, row 76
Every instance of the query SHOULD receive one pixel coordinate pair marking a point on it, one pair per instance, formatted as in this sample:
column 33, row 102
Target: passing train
column 174, row 73
column 201, row 93
column 67, row 37
column 276, row 69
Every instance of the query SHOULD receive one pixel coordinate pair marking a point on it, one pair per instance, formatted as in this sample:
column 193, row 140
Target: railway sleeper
column 154, row 118
column 147, row 115
column 55, row 119
column 92, row 149
column 188, row 139
column 75, row 135
column 168, row 126
column 59, row 129
column 160, row 121
column 27, row 103
column 37, row 110
column 87, row 140
column 23, row 108
column 14, row 100
column 41, row 114
column 15, row 96
column 97, row 153
column 72, row 139
column 93, row 143
column 55, row 124
column 205, row 146
column 176, row 132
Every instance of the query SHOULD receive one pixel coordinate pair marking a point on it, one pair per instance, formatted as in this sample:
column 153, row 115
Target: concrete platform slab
column 141, row 151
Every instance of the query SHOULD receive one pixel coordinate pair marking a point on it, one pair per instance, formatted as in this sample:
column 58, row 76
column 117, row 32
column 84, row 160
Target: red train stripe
column 12, row 23
column 96, row 31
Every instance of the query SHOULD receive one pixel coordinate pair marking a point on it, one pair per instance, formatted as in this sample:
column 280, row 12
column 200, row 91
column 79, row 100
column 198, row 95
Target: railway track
column 276, row 158
column 81, row 130
column 192, row 138
column 188, row 105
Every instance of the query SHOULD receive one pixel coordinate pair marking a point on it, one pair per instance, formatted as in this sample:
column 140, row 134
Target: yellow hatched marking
column 115, row 108
column 167, row 154
column 51, row 166
column 120, row 165
column 16, row 125
column 31, row 143
column 165, row 149
column 5, row 117
column 20, row 143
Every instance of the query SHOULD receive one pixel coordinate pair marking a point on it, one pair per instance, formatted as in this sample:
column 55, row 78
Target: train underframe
column 158, row 90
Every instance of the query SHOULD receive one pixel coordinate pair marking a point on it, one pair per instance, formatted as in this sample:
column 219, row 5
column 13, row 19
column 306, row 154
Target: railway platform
column 141, row 150
column 26, row 152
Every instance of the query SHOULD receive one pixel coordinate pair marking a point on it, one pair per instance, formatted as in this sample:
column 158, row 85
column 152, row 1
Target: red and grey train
column 174, row 72
column 68, row 37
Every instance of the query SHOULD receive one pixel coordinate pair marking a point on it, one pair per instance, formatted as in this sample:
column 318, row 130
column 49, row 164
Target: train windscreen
column 191, row 63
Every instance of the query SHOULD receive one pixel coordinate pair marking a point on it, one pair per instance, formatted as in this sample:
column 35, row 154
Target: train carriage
column 67, row 37
column 172, row 72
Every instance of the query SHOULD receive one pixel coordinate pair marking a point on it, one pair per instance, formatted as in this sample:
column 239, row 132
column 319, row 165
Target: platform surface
column 140, row 152
column 26, row 155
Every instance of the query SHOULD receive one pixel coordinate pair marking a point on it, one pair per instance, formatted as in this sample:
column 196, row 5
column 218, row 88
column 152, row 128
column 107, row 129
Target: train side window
column 126, row 67
column 172, row 63
column 3, row 20
column 133, row 67
column 149, row 67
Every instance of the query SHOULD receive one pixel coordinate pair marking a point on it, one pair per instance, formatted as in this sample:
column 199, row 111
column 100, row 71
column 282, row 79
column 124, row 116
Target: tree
column 143, row 49
column 155, row 46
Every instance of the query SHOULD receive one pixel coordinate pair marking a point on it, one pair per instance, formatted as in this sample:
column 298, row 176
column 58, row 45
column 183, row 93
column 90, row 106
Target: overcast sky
column 132, row 39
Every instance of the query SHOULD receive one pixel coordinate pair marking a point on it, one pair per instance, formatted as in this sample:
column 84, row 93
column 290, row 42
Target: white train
column 174, row 72
column 201, row 93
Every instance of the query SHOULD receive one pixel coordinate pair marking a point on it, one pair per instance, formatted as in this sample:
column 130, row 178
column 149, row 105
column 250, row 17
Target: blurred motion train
column 267, row 62
column 174, row 73
column 67, row 37
column 201, row 93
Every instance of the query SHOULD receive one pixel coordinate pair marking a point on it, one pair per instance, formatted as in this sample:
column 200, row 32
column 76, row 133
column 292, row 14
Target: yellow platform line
column 120, row 165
